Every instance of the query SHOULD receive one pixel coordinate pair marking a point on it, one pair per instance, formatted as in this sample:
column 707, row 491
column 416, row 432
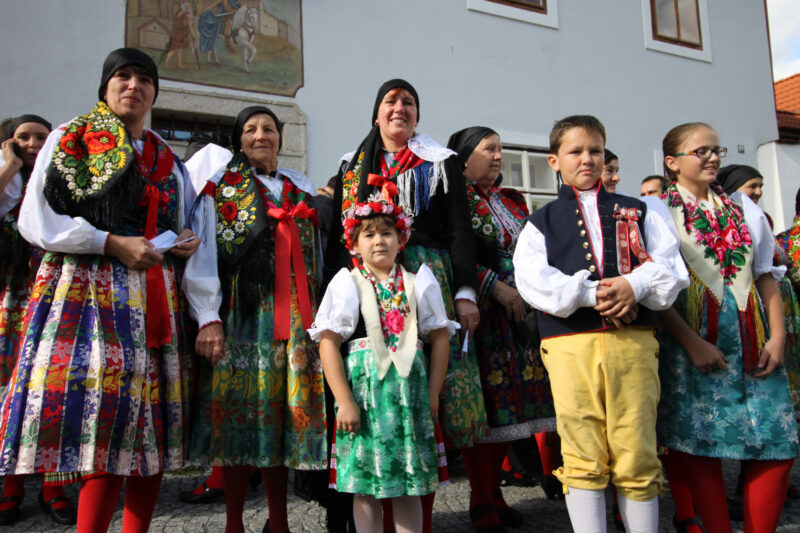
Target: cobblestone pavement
column 450, row 515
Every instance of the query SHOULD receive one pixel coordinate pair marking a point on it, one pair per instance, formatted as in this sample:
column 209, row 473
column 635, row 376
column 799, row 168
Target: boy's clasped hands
column 616, row 301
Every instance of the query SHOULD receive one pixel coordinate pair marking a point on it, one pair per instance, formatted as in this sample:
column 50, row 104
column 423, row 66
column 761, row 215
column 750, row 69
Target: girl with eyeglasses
column 724, row 392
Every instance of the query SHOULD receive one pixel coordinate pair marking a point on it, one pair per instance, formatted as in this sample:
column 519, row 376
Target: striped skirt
column 87, row 394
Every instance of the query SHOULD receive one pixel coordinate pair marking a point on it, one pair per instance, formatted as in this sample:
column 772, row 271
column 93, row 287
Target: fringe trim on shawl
column 417, row 185
column 701, row 303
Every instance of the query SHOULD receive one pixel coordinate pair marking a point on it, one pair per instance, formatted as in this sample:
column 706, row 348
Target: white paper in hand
column 165, row 241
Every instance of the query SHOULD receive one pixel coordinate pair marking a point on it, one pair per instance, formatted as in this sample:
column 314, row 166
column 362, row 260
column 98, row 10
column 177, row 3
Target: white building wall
column 780, row 165
column 469, row 68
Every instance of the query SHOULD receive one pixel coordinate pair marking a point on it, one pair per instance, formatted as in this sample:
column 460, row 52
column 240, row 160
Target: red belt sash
column 628, row 238
column 157, row 321
column 288, row 257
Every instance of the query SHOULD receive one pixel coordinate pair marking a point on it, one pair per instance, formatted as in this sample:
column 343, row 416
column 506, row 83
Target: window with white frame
column 678, row 27
column 540, row 12
column 526, row 170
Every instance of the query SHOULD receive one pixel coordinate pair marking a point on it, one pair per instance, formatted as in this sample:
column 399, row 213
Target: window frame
column 658, row 44
column 534, row 197
column 676, row 40
column 515, row 11
column 521, row 4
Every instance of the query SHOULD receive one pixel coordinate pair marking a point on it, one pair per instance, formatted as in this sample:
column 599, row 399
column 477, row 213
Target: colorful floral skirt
column 13, row 302
column 516, row 388
column 264, row 403
column 462, row 414
column 725, row 413
column 394, row 452
column 87, row 394
column 791, row 314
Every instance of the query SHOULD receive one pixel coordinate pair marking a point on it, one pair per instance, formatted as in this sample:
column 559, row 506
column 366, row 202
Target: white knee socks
column 639, row 517
column 587, row 510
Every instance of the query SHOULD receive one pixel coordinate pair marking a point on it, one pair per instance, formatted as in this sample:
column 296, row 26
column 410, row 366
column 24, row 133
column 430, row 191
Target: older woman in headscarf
column 101, row 385
column 516, row 390
column 261, row 394
column 412, row 170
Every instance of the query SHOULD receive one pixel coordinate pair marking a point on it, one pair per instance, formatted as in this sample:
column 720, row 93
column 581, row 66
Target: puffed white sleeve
column 201, row 284
column 206, row 163
column 339, row 310
column 761, row 234
column 657, row 283
column 545, row 287
column 431, row 313
column 43, row 227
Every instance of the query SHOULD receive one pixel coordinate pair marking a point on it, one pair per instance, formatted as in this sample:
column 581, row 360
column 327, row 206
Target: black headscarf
column 122, row 57
column 22, row 119
column 731, row 177
column 609, row 155
column 241, row 119
column 464, row 142
column 388, row 86
column 199, row 140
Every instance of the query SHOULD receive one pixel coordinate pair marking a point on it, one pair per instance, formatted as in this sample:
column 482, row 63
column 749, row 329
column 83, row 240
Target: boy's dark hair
column 674, row 139
column 586, row 122
column 331, row 183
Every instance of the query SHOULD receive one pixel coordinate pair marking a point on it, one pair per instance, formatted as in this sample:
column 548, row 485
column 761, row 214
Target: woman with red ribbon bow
column 101, row 384
column 261, row 392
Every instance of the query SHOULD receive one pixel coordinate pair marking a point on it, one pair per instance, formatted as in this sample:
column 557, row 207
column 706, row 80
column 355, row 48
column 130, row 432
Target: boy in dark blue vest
column 597, row 267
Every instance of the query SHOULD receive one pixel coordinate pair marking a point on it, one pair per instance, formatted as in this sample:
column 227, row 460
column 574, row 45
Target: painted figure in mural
column 210, row 25
column 183, row 34
column 243, row 31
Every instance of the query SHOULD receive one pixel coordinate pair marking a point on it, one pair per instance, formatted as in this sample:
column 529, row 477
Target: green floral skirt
column 462, row 414
column 394, row 451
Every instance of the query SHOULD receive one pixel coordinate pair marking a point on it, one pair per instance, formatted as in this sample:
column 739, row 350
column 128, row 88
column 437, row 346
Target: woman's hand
column 135, row 252
column 13, row 161
column 705, row 356
column 210, row 342
column 348, row 417
column 186, row 249
column 771, row 356
column 468, row 315
column 509, row 298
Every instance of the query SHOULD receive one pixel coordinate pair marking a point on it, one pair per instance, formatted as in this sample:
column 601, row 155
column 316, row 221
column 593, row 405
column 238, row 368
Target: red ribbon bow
column 288, row 257
column 388, row 189
column 628, row 238
column 157, row 323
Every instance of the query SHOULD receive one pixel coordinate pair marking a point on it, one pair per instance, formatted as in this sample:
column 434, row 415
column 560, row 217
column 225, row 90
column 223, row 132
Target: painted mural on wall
column 254, row 45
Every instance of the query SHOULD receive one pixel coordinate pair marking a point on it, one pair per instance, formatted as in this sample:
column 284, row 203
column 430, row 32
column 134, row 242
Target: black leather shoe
column 10, row 516
column 207, row 495
column 68, row 516
column 266, row 528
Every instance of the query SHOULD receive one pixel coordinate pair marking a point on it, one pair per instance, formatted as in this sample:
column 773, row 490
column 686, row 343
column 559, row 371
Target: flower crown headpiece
column 375, row 205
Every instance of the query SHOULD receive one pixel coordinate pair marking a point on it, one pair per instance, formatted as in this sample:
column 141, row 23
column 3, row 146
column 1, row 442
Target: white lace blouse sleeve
column 545, row 287
column 201, row 283
column 12, row 194
column 761, row 234
column 431, row 313
column 43, row 227
column 339, row 310
column 657, row 283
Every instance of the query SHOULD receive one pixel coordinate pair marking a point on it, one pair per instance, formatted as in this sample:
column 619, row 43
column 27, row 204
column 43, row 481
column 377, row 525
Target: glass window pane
column 690, row 26
column 541, row 175
column 666, row 25
column 512, row 169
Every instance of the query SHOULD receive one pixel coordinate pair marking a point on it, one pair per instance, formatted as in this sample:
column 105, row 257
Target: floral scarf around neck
column 392, row 304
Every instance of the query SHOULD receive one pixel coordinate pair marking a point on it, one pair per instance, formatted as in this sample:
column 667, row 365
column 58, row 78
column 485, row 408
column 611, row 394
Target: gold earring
column 466, row 164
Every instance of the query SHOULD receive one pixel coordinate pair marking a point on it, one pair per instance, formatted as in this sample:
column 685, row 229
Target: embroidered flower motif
column 70, row 144
column 99, row 142
column 232, row 178
column 228, row 209
column 722, row 232
column 228, row 192
column 395, row 321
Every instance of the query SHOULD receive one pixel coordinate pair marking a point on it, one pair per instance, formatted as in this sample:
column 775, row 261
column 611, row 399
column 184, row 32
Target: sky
column 784, row 21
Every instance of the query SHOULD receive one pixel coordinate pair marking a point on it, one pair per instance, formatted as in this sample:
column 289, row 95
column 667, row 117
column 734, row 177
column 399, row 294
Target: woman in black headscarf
column 101, row 384
column 416, row 172
column 261, row 401
column 516, row 390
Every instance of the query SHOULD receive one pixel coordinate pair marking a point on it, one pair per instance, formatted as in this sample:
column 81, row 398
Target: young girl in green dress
column 387, row 397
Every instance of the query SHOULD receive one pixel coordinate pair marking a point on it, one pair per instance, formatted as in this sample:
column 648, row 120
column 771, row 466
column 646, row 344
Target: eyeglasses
column 704, row 152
